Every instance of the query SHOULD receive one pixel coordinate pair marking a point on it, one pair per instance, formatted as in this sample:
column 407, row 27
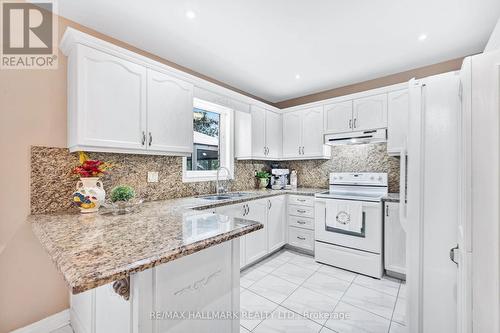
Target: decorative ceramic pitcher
column 89, row 194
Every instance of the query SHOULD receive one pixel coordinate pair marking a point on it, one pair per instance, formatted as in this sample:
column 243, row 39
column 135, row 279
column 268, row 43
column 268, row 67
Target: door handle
column 150, row 139
column 452, row 254
column 301, row 211
column 386, row 210
column 301, row 222
column 301, row 238
column 350, row 123
column 143, row 141
column 354, row 123
column 301, row 200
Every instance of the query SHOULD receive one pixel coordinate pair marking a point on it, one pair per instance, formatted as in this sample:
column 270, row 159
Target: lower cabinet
column 394, row 241
column 301, row 222
column 271, row 213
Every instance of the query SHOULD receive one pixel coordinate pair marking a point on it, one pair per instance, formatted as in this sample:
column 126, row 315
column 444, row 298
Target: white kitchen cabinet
column 397, row 120
column 258, row 139
column 303, row 134
column 370, row 113
column 242, row 135
column 170, row 113
column 394, row 241
column 274, row 135
column 292, row 132
column 106, row 99
column 338, row 117
column 118, row 105
column 276, row 222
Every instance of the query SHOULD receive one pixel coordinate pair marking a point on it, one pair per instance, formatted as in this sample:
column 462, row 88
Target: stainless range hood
column 354, row 138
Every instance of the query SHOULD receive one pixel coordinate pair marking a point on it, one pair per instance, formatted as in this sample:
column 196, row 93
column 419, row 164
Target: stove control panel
column 358, row 178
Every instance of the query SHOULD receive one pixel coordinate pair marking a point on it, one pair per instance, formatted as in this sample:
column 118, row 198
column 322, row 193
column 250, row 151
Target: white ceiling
column 259, row 46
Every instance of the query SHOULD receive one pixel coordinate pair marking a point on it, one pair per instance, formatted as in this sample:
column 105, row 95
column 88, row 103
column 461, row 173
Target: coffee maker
column 279, row 178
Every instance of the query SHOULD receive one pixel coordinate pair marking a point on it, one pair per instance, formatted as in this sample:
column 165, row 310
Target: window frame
column 226, row 144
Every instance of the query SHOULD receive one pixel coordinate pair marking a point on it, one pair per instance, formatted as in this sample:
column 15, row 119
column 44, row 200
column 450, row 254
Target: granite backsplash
column 52, row 182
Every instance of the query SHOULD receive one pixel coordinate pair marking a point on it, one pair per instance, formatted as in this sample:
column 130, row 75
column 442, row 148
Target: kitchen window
column 212, row 143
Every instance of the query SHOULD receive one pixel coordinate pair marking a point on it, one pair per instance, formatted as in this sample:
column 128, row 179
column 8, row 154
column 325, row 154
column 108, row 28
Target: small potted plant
column 90, row 192
column 263, row 177
column 123, row 199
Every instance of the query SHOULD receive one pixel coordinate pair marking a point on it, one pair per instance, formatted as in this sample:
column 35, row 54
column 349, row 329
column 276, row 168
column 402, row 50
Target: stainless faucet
column 217, row 184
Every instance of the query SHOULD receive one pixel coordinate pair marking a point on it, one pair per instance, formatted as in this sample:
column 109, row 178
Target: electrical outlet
column 152, row 176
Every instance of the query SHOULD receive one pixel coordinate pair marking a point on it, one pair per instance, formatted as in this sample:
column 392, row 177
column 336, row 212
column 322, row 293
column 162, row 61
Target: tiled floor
column 290, row 292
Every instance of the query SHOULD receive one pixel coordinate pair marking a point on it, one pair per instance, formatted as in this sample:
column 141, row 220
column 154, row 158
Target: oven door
column 370, row 237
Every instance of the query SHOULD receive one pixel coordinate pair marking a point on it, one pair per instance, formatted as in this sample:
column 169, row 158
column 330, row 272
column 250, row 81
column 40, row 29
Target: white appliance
column 279, row 178
column 348, row 222
column 432, row 212
column 352, row 138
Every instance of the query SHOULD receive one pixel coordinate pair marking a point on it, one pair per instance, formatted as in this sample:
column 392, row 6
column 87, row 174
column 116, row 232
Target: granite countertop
column 91, row 250
column 391, row 197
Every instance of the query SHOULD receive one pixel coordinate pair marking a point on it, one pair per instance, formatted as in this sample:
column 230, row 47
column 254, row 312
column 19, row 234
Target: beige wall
column 33, row 112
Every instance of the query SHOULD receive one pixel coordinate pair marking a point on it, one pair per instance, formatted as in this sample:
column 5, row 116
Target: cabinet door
column 111, row 103
column 242, row 135
column 397, row 120
column 276, row 222
column 274, row 135
column 236, row 211
column 394, row 240
column 338, row 117
column 170, row 114
column 292, row 132
column 258, row 132
column 370, row 113
column 312, row 132
column 256, row 242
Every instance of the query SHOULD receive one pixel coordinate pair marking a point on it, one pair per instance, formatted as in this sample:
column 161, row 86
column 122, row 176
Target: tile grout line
column 339, row 300
column 394, row 309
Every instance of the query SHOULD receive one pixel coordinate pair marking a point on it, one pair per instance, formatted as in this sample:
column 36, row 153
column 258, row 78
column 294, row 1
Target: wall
column 52, row 182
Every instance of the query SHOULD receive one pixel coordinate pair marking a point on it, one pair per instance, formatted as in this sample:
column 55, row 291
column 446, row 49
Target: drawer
column 301, row 200
column 301, row 211
column 301, row 222
column 301, row 238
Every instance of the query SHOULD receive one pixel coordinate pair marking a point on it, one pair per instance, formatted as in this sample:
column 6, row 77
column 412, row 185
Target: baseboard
column 47, row 325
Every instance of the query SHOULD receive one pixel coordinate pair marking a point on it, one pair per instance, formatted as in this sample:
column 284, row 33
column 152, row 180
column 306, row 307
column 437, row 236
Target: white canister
column 293, row 179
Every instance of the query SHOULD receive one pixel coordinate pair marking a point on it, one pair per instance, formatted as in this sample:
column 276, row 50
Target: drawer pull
column 301, row 200
column 301, row 238
column 301, row 222
column 301, row 211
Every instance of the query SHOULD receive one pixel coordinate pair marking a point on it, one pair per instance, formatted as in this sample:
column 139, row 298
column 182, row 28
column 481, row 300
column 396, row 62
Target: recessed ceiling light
column 297, row 76
column 190, row 14
column 422, row 37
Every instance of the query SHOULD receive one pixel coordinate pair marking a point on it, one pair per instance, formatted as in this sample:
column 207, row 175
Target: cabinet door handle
column 299, row 150
column 269, row 204
column 248, row 209
column 301, row 238
column 267, row 150
column 386, row 210
column 354, row 123
column 301, row 222
column 143, row 138
column 350, row 123
column 150, row 139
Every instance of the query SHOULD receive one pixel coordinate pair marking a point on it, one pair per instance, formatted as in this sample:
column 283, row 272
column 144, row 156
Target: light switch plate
column 152, row 176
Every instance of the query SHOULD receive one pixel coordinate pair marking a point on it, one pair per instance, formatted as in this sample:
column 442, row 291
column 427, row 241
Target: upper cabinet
column 170, row 115
column 338, row 117
column 397, row 128
column 303, row 134
column 370, row 113
column 258, row 139
column 118, row 105
column 274, row 135
column 360, row 114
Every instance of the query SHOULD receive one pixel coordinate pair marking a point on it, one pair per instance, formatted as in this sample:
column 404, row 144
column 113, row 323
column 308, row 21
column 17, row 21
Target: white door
column 276, row 222
column 433, row 204
column 274, row 134
column 111, row 101
column 242, row 135
column 170, row 114
column 312, row 132
column 394, row 240
column 370, row 112
column 236, row 211
column 397, row 120
column 292, row 131
column 259, row 149
column 256, row 242
column 338, row 117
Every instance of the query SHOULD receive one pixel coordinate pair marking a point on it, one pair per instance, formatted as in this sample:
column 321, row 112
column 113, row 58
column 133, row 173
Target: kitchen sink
column 224, row 196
